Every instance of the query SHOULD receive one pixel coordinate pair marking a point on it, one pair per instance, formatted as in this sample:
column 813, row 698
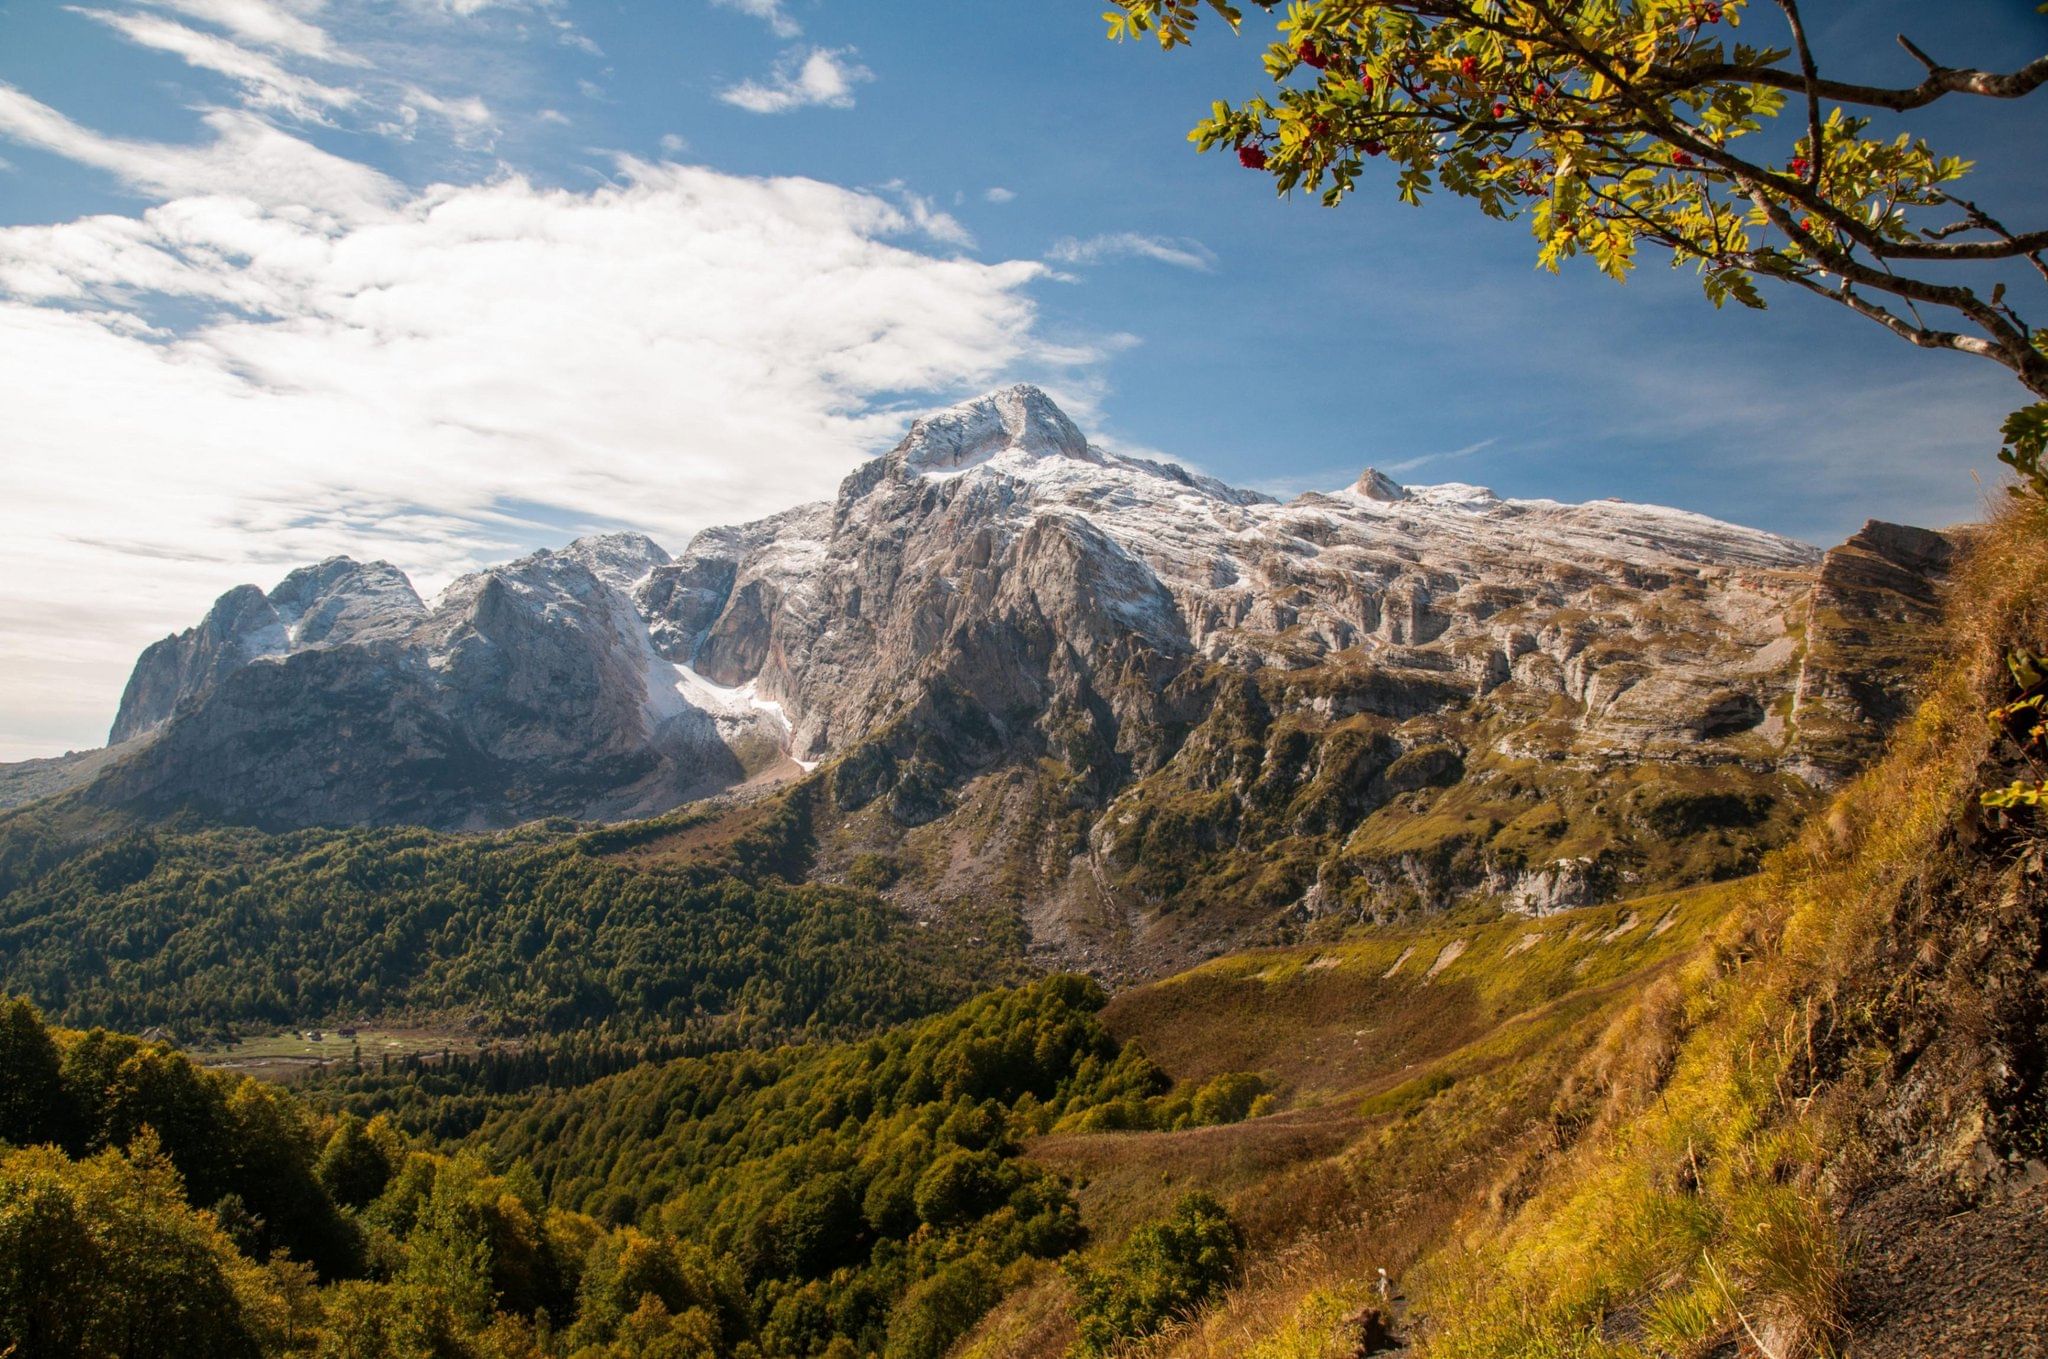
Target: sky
column 441, row 281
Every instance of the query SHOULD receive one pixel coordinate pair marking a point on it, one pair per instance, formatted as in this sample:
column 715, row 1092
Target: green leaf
column 2026, row 442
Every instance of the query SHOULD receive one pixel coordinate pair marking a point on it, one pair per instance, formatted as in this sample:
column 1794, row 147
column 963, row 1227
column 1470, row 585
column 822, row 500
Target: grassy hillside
column 1404, row 1063
column 1683, row 1126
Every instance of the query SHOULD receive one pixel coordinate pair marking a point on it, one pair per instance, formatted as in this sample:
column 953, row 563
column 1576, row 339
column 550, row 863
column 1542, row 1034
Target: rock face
column 1152, row 692
column 1872, row 629
column 997, row 544
column 333, row 604
column 529, row 689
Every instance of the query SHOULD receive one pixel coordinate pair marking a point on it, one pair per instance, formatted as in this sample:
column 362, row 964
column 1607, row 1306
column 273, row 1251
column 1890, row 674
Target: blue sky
column 441, row 280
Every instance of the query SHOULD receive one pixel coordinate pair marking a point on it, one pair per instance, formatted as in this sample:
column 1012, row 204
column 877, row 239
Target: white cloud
column 467, row 111
column 1452, row 455
column 267, row 24
column 929, row 218
column 566, row 34
column 1179, row 251
column 265, row 84
column 247, row 157
column 769, row 12
column 465, row 8
column 438, row 378
column 999, row 194
column 823, row 77
column 673, row 144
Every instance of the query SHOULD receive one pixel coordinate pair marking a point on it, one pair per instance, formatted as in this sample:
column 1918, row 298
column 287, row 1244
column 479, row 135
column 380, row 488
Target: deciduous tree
column 1612, row 125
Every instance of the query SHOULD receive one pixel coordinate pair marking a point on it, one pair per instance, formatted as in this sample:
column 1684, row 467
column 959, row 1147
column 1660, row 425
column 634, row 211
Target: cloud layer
column 438, row 377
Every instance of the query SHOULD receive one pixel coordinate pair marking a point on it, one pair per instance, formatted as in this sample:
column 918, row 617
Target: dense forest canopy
column 828, row 1199
column 209, row 932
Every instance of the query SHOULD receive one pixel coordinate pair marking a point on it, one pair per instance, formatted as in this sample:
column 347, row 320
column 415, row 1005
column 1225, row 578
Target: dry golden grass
column 1569, row 1146
column 1405, row 1100
column 1696, row 1207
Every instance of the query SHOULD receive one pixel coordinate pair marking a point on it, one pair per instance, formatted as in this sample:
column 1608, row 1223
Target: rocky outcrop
column 1871, row 631
column 335, row 603
column 529, row 689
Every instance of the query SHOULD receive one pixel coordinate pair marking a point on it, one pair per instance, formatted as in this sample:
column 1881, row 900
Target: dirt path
column 1935, row 1277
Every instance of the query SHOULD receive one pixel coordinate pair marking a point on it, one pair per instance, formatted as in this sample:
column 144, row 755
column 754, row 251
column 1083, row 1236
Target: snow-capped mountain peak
column 1062, row 591
column 1019, row 420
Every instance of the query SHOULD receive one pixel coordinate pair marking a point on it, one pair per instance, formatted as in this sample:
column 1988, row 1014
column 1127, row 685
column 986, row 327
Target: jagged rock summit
column 1374, row 484
column 1019, row 421
column 335, row 603
column 1119, row 660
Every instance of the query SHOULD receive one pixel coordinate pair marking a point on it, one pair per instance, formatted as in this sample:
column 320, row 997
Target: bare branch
column 2008, row 345
column 1810, row 75
column 1930, row 63
column 1939, row 83
column 2031, row 245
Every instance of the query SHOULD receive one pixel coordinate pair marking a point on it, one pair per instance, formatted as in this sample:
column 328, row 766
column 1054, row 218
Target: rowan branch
column 1941, row 83
column 2008, row 345
column 1809, row 75
column 1926, row 337
column 2028, row 245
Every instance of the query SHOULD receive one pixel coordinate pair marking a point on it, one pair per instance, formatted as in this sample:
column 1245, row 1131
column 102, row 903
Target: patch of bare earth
column 1935, row 1276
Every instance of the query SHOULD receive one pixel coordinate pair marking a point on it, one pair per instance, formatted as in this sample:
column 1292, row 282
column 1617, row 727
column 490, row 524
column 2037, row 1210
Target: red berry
column 1469, row 68
column 1365, row 80
column 1542, row 91
column 1374, row 148
column 1251, row 155
column 1799, row 165
column 1500, row 109
column 1308, row 54
column 1680, row 158
column 1806, row 224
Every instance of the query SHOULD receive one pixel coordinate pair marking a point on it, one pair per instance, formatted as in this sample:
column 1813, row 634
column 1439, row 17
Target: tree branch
column 1809, row 75
column 1939, row 84
column 2007, row 345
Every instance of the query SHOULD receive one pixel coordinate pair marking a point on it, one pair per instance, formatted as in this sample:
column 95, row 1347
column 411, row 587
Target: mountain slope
column 1800, row 1113
column 1152, row 714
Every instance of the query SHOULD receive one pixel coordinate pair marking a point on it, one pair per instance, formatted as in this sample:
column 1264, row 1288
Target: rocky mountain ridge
column 1145, row 687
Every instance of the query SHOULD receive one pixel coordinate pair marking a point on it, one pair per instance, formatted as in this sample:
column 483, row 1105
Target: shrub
column 960, row 1186
column 939, row 1310
column 1166, row 1270
column 1228, row 1098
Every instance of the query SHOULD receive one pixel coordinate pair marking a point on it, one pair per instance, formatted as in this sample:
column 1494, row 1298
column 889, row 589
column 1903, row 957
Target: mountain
column 1801, row 1112
column 339, row 697
column 1011, row 692
column 1120, row 689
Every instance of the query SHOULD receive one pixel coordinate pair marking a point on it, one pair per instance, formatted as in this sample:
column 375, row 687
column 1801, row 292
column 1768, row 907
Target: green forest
column 211, row 932
column 828, row 1199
